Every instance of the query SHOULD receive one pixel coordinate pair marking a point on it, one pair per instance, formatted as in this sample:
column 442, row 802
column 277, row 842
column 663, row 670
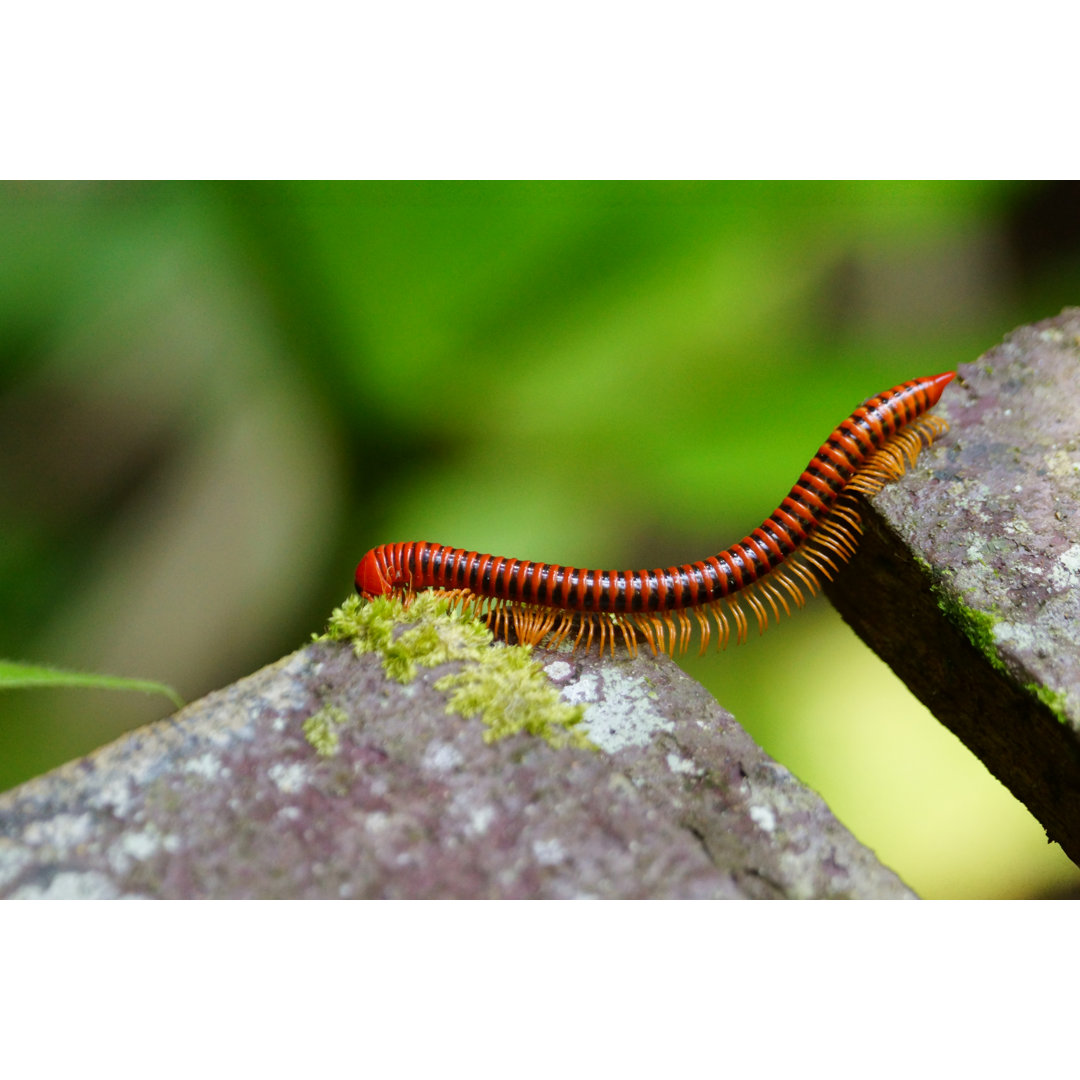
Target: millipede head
column 371, row 579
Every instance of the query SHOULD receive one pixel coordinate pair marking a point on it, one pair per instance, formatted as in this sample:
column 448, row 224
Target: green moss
column 319, row 730
column 508, row 690
column 977, row 626
column 501, row 684
column 438, row 634
column 1054, row 700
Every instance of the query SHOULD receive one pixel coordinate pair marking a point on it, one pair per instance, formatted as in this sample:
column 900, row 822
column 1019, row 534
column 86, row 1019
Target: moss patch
column 508, row 690
column 1054, row 700
column 434, row 633
column 320, row 729
column 977, row 626
column 501, row 684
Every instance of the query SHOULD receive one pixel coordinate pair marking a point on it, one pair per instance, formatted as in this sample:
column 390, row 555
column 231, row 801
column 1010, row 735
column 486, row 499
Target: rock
column 230, row 798
column 967, row 581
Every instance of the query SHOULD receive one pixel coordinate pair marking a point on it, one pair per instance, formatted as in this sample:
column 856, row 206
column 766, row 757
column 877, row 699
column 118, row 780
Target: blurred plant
column 19, row 676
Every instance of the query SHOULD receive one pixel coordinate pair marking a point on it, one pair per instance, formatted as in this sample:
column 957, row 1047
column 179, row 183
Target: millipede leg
column 716, row 609
column 759, row 611
column 684, row 631
column 774, row 592
column 647, row 627
column 817, row 558
column 704, row 628
column 739, row 615
column 607, row 635
column 804, row 575
column 669, row 648
column 558, row 635
column 629, row 637
column 766, row 590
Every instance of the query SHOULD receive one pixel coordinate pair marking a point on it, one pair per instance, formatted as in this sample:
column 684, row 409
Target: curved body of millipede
column 813, row 529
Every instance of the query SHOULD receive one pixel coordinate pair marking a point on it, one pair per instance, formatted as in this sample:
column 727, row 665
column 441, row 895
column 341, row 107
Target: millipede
column 814, row 529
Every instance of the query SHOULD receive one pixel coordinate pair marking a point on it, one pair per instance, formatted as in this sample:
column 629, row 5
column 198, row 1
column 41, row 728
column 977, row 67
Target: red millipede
column 816, row 526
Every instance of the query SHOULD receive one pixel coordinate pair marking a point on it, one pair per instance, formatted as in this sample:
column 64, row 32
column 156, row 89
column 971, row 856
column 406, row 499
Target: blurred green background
column 215, row 397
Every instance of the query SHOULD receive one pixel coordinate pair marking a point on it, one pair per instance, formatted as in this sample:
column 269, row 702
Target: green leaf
column 15, row 675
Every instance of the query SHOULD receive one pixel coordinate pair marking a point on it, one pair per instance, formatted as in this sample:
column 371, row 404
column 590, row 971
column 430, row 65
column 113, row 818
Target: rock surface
column 967, row 581
column 229, row 799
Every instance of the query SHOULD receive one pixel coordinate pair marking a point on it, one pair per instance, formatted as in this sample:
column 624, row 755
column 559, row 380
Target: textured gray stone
column 228, row 799
column 967, row 581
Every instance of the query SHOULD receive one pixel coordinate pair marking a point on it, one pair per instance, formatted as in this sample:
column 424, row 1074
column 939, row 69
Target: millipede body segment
column 806, row 536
